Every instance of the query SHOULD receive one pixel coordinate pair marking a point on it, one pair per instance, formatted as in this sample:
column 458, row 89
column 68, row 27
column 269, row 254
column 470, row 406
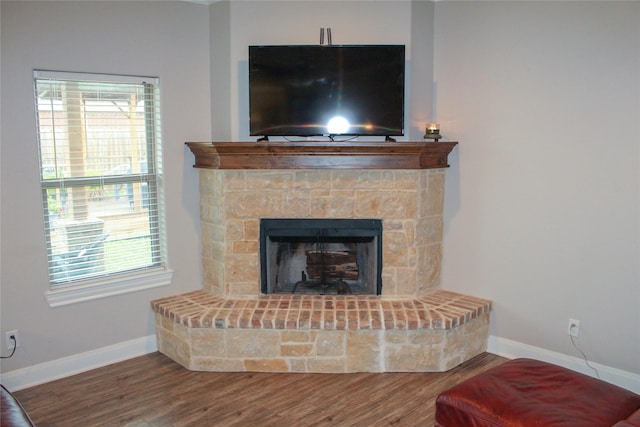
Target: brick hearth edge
column 314, row 333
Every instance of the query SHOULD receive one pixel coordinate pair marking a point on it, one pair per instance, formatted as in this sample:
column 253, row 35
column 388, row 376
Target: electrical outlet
column 573, row 328
column 9, row 342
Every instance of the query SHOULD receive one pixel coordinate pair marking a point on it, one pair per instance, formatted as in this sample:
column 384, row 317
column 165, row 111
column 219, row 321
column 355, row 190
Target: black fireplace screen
column 321, row 256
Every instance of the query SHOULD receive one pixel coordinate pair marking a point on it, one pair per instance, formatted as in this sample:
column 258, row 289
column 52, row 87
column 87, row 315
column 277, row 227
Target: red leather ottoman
column 526, row 392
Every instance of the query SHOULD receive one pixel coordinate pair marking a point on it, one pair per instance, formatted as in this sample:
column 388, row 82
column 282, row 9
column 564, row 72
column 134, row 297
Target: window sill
column 103, row 288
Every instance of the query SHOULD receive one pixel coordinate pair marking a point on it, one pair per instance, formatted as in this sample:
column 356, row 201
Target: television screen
column 300, row 90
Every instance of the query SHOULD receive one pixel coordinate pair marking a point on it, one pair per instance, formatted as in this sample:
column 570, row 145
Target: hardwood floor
column 153, row 390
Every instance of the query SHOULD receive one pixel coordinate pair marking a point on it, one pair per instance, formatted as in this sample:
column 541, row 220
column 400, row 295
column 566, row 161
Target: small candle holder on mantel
column 432, row 132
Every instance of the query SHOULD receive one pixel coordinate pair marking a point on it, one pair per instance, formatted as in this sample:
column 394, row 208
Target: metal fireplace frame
column 329, row 228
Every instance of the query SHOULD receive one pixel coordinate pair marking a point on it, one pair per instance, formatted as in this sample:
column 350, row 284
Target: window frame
column 72, row 290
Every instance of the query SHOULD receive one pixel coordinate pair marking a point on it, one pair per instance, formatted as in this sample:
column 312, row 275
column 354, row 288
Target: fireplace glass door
column 321, row 256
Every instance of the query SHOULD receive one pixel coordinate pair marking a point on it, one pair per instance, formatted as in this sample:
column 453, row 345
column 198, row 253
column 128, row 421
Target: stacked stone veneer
column 412, row 326
column 408, row 201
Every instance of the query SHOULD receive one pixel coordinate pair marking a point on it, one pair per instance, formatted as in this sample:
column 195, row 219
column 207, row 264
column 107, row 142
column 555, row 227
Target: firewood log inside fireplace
column 332, row 265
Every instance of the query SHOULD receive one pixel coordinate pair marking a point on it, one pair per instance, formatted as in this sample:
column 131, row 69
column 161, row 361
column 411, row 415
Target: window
column 100, row 174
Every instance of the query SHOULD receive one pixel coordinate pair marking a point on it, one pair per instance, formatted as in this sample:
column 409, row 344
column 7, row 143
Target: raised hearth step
column 438, row 310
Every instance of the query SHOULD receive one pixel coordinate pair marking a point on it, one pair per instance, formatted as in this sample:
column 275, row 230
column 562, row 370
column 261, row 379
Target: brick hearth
column 313, row 333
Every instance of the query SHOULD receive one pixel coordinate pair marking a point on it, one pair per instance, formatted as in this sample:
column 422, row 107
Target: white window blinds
column 100, row 174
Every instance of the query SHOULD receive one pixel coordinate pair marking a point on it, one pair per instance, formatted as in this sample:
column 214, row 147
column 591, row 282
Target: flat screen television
column 328, row 90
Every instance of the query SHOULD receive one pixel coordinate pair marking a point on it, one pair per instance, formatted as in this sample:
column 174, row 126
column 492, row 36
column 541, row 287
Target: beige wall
column 542, row 199
column 543, row 195
column 165, row 39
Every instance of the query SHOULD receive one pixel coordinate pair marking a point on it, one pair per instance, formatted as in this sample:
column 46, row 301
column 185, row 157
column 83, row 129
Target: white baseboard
column 71, row 365
column 67, row 366
column 513, row 349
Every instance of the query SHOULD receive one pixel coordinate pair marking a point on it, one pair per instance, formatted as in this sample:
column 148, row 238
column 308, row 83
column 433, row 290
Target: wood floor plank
column 154, row 391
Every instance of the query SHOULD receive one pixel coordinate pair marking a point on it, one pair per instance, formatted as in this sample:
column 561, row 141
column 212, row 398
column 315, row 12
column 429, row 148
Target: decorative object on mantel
column 432, row 132
column 321, row 155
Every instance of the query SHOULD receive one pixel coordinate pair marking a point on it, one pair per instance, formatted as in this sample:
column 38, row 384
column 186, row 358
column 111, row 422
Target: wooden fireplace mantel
column 321, row 155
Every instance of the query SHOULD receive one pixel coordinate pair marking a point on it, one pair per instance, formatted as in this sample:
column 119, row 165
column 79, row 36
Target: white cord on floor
column 584, row 356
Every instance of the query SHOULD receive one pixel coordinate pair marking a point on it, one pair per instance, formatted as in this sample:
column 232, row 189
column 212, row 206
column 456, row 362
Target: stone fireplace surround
column 412, row 326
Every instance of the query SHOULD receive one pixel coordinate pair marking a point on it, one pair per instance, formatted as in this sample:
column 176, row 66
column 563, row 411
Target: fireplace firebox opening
column 321, row 256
